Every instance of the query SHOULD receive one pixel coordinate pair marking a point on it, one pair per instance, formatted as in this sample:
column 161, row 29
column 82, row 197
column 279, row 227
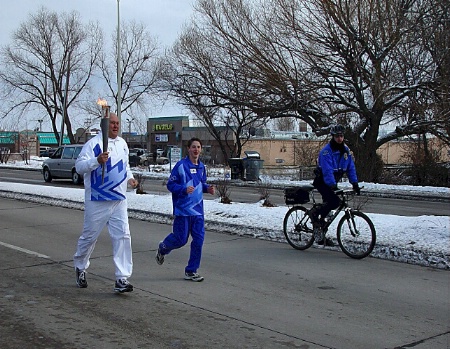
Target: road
column 256, row 294
column 401, row 207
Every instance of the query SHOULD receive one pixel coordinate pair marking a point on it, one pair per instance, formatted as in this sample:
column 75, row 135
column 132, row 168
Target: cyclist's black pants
column 329, row 198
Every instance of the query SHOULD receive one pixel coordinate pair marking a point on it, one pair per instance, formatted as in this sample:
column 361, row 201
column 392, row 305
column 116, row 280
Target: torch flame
column 102, row 102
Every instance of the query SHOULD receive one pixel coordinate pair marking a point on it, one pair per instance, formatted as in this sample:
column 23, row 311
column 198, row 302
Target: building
column 28, row 142
column 303, row 151
column 275, row 148
column 169, row 132
column 165, row 132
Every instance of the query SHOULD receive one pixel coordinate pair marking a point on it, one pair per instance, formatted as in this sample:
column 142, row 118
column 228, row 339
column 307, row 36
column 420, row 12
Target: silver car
column 61, row 165
column 147, row 159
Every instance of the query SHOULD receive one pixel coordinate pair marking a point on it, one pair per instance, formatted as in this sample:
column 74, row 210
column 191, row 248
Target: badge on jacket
column 193, row 170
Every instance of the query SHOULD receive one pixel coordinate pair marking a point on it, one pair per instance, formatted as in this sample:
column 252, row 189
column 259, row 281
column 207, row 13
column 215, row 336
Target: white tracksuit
column 105, row 204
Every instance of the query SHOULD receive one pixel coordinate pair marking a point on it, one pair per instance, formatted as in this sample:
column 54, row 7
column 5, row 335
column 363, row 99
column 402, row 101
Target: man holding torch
column 106, row 175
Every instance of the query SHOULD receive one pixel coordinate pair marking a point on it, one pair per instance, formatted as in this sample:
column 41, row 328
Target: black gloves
column 356, row 188
column 334, row 187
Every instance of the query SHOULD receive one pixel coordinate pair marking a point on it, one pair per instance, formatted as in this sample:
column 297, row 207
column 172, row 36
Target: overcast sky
column 163, row 18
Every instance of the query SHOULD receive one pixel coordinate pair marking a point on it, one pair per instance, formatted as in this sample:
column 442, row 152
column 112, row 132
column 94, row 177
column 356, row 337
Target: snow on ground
column 422, row 240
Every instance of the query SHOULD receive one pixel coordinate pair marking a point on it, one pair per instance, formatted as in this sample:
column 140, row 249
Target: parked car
column 147, row 159
column 162, row 160
column 138, row 151
column 43, row 148
column 133, row 159
column 61, row 165
column 47, row 152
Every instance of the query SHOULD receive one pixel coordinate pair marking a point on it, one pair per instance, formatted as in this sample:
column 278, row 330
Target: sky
column 164, row 20
column 421, row 240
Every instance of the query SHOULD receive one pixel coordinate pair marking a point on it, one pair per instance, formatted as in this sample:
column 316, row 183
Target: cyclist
column 334, row 160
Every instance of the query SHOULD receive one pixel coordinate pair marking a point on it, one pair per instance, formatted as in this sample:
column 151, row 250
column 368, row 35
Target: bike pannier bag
column 293, row 196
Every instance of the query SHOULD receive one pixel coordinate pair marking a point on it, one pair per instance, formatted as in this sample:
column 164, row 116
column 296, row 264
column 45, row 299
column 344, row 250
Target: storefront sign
column 163, row 127
column 162, row 138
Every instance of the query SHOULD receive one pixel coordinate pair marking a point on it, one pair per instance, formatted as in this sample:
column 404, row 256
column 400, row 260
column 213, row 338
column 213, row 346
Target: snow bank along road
column 436, row 254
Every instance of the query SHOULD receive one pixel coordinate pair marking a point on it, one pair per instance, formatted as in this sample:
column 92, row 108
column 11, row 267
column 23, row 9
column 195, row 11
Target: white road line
column 24, row 250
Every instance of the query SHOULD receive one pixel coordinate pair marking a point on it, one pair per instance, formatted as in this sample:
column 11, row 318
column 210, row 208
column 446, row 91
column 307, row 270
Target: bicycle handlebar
column 346, row 191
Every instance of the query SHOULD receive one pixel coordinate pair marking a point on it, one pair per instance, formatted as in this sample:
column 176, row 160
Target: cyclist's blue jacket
column 334, row 163
column 183, row 175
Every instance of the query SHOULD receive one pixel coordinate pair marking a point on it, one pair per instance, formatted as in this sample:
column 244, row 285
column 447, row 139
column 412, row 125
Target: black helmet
column 337, row 130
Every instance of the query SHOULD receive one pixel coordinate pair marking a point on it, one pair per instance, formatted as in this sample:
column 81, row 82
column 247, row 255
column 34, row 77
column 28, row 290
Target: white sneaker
column 122, row 285
column 193, row 277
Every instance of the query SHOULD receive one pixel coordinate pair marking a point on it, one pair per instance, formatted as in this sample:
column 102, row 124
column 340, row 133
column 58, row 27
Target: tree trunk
column 369, row 165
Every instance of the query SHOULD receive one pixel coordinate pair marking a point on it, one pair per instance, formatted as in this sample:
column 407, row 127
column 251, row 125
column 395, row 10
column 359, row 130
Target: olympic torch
column 104, row 125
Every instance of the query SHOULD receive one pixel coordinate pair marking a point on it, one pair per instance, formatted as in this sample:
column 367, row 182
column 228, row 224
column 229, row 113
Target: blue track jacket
column 183, row 175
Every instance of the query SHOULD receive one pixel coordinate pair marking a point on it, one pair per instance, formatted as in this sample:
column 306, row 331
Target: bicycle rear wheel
column 356, row 235
column 298, row 228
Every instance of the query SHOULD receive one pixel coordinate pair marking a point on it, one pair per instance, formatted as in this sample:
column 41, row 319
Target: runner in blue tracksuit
column 334, row 161
column 187, row 183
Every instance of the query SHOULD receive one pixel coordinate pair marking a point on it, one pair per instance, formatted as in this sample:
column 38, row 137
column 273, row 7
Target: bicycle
column 355, row 231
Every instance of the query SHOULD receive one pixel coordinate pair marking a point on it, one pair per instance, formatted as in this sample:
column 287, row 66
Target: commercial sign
column 163, row 127
column 175, row 154
column 162, row 138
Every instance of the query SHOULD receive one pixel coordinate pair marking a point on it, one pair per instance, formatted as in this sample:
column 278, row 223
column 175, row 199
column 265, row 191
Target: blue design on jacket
column 114, row 176
column 117, row 169
column 334, row 164
column 183, row 175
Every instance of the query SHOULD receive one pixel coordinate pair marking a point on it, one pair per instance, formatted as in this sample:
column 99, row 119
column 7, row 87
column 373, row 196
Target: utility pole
column 119, row 78
column 129, row 130
column 65, row 98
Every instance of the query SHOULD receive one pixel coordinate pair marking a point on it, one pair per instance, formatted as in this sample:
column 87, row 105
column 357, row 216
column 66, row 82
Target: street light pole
column 119, row 79
column 129, row 125
column 65, row 99
column 129, row 130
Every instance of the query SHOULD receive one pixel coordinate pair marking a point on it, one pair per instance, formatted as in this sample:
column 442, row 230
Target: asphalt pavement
column 256, row 294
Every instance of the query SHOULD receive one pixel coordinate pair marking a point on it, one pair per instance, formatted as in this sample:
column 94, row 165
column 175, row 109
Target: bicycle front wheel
column 356, row 235
column 298, row 228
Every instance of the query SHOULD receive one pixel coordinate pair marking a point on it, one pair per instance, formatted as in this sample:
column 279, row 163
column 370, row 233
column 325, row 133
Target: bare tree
column 359, row 63
column 264, row 187
column 49, row 50
column 205, row 77
column 285, row 124
column 436, row 40
column 223, row 190
column 141, row 69
column 306, row 152
column 366, row 67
